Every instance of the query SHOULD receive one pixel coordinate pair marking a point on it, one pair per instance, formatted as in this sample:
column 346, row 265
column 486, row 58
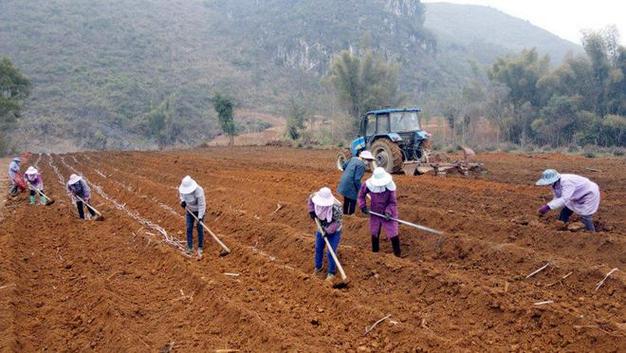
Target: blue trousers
column 333, row 239
column 190, row 224
column 566, row 213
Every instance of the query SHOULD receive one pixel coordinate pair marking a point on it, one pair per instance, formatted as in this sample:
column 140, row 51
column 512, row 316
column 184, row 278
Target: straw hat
column 380, row 177
column 367, row 155
column 74, row 179
column 187, row 185
column 323, row 198
column 31, row 170
column 549, row 177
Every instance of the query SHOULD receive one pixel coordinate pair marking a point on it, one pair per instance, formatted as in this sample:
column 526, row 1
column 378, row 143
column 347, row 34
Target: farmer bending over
column 35, row 185
column 350, row 182
column 382, row 190
column 14, row 176
column 323, row 206
column 572, row 193
column 79, row 191
column 193, row 201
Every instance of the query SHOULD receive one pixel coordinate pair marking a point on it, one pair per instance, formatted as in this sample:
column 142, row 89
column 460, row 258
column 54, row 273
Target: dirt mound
column 125, row 285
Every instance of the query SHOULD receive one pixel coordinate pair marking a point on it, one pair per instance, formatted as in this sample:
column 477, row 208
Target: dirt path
column 118, row 286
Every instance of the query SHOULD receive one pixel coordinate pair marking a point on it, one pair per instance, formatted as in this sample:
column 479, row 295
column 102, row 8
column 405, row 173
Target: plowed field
column 124, row 285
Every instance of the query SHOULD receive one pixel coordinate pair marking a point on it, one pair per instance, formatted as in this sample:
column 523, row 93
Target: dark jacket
column 350, row 182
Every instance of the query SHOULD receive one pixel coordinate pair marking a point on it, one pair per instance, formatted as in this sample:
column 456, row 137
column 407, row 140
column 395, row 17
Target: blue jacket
column 350, row 182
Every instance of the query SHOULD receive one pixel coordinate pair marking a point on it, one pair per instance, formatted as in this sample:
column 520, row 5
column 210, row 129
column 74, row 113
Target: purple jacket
column 335, row 224
column 384, row 203
column 80, row 189
column 34, row 181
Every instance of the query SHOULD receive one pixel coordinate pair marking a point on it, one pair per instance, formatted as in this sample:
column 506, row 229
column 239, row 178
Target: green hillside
column 102, row 69
column 485, row 32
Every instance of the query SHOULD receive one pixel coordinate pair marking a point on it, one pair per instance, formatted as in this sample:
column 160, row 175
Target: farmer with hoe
column 80, row 193
column 350, row 182
column 323, row 206
column 14, row 177
column 572, row 193
column 35, row 185
column 382, row 190
column 193, row 201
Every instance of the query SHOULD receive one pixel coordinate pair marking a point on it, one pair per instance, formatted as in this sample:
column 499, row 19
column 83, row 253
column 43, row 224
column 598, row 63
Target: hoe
column 99, row 216
column 344, row 279
column 49, row 201
column 225, row 250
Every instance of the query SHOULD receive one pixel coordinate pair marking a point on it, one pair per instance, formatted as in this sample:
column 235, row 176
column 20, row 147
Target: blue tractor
column 395, row 138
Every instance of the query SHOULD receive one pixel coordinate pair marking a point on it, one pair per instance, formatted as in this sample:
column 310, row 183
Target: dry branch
column 544, row 302
column 594, row 170
column 601, row 283
column 368, row 329
column 538, row 270
column 560, row 280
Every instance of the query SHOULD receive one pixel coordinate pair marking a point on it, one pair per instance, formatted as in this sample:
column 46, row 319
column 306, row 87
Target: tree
column 295, row 118
column 521, row 74
column 363, row 83
column 14, row 89
column 224, row 106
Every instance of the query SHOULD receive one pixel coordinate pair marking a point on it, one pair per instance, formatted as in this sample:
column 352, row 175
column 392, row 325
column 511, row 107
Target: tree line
column 581, row 102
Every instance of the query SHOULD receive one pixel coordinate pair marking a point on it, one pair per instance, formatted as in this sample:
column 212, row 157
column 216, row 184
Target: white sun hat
column 31, row 170
column 366, row 155
column 74, row 179
column 549, row 177
column 380, row 177
column 324, row 197
column 187, row 185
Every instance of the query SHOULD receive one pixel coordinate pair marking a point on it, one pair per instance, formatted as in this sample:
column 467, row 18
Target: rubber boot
column 375, row 243
column 31, row 199
column 395, row 244
column 42, row 200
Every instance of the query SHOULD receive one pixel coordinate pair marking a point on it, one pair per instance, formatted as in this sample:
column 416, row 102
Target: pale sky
column 562, row 17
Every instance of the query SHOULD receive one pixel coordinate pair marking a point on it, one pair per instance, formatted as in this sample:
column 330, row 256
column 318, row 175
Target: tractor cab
column 394, row 136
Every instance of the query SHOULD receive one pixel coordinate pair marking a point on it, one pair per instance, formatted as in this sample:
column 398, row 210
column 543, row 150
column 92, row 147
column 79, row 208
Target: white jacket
column 195, row 201
column 577, row 193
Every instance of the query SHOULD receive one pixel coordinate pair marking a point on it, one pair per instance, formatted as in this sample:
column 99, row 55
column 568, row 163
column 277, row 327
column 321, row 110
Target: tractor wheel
column 387, row 155
column 342, row 157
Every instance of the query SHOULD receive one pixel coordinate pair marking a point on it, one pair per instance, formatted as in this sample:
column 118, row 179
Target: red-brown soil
column 116, row 286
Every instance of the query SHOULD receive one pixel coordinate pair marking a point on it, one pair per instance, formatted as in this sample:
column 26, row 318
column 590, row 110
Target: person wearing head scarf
column 350, row 182
column 323, row 206
column 14, row 175
column 35, row 184
column 79, row 191
column 382, row 190
column 572, row 194
column 193, row 201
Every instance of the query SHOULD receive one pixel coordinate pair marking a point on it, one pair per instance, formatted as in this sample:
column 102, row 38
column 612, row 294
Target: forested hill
column 134, row 73
column 485, row 32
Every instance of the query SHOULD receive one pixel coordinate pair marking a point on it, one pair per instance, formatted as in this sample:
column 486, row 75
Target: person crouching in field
column 323, row 206
column 35, row 185
column 193, row 201
column 572, row 193
column 14, row 176
column 382, row 190
column 350, row 182
column 79, row 191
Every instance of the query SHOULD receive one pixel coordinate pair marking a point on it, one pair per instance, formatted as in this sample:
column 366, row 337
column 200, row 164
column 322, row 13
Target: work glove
column 543, row 210
column 201, row 219
column 365, row 210
column 324, row 223
column 183, row 204
column 312, row 214
column 387, row 216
